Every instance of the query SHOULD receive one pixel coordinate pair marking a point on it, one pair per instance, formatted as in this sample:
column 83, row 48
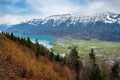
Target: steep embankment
column 17, row 62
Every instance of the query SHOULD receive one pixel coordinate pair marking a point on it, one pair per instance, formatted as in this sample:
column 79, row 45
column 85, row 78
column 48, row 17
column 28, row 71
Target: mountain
column 102, row 26
column 3, row 27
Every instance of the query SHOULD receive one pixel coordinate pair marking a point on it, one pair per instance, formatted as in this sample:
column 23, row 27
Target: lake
column 47, row 41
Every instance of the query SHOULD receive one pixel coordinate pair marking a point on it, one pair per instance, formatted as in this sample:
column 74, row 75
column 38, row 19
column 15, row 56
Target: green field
column 100, row 47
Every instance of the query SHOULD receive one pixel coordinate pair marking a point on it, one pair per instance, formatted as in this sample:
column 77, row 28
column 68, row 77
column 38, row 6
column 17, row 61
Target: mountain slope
column 103, row 26
column 17, row 62
column 3, row 27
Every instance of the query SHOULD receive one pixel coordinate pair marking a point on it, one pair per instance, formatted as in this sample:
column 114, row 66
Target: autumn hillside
column 18, row 62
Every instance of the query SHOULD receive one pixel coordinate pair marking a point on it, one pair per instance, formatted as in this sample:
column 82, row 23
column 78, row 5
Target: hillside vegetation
column 20, row 59
column 18, row 62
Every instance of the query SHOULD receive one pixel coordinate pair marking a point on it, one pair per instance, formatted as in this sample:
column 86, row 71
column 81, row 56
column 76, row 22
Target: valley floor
column 102, row 48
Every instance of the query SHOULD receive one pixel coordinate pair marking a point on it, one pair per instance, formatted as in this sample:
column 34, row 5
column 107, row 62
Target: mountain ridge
column 103, row 26
column 105, row 17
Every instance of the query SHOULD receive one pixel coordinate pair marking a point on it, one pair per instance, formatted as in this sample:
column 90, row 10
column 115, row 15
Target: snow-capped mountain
column 75, row 18
column 103, row 26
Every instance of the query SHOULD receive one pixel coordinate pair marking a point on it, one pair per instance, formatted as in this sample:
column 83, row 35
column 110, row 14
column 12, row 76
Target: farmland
column 62, row 45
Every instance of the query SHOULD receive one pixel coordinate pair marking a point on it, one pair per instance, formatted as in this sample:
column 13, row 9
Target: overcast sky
column 15, row 11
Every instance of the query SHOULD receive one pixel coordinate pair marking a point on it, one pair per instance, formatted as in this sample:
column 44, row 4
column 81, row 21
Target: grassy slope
column 84, row 47
column 18, row 62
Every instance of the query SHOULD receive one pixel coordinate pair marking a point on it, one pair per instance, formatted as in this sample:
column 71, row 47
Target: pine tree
column 74, row 53
column 51, row 55
column 29, row 43
column 37, row 48
column 12, row 37
column 57, row 57
column 115, row 74
column 92, row 55
column 74, row 62
column 96, row 73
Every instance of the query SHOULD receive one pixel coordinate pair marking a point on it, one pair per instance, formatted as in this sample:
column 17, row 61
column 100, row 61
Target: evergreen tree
column 97, row 74
column 51, row 55
column 75, row 63
column 12, row 37
column 29, row 43
column 115, row 74
column 64, row 61
column 36, row 42
column 37, row 48
column 57, row 57
column 74, row 53
column 92, row 55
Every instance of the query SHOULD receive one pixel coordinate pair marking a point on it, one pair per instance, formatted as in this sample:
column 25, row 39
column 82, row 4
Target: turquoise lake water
column 47, row 41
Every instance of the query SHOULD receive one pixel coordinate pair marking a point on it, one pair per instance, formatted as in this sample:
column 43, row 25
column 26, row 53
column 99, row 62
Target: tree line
column 37, row 48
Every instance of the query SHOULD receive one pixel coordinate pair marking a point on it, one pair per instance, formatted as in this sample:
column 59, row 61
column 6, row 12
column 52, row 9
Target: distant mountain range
column 3, row 27
column 102, row 26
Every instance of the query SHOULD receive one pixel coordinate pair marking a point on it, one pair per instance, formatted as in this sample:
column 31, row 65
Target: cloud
column 20, row 10
column 51, row 7
column 108, row 5
column 13, row 7
column 11, row 19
